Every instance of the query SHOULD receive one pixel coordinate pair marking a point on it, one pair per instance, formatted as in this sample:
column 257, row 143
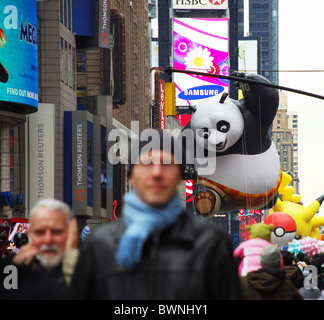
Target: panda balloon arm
column 262, row 101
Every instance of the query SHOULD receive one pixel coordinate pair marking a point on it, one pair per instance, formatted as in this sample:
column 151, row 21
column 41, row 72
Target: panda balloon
column 235, row 158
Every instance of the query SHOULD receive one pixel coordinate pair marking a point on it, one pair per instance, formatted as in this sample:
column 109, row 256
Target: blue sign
column 18, row 55
column 201, row 92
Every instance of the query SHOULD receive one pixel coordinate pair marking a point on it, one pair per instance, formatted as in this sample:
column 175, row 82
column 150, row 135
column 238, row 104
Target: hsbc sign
column 200, row 4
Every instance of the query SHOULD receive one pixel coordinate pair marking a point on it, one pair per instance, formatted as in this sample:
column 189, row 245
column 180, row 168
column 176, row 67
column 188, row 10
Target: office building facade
column 73, row 71
column 285, row 137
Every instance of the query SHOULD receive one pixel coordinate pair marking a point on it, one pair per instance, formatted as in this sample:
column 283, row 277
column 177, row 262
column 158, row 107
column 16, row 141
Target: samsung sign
column 200, row 4
column 201, row 92
column 18, row 56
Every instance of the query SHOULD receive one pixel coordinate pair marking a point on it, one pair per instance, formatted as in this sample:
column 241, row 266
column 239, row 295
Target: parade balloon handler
column 4, row 76
column 155, row 250
column 50, row 255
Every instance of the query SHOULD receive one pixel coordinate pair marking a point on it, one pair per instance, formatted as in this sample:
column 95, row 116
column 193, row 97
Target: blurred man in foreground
column 156, row 251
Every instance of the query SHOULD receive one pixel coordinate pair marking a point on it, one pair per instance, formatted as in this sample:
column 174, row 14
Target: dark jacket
column 32, row 283
column 191, row 259
column 294, row 274
column 268, row 284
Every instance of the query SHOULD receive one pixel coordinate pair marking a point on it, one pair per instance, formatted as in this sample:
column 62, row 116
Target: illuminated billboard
column 200, row 4
column 18, row 56
column 200, row 44
column 249, row 55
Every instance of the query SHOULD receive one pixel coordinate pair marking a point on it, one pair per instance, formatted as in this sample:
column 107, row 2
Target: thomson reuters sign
column 200, row 4
column 104, row 23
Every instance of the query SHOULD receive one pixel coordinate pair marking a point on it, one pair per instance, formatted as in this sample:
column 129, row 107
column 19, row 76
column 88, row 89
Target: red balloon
column 284, row 229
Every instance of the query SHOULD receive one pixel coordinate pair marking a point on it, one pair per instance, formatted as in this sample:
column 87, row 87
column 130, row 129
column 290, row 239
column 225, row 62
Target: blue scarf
column 141, row 221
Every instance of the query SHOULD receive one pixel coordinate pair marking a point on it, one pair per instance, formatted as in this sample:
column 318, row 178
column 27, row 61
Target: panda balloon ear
column 223, row 97
column 192, row 108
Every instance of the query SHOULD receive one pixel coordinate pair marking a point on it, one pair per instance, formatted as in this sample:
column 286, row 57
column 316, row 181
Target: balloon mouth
column 221, row 146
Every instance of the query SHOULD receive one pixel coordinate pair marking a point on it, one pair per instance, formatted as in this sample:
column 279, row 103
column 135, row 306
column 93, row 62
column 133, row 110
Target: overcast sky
column 301, row 47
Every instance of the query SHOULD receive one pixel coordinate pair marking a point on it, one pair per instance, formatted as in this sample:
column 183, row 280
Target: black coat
column 192, row 259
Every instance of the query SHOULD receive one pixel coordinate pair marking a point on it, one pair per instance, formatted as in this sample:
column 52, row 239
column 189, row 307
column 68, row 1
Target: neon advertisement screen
column 199, row 45
column 18, row 54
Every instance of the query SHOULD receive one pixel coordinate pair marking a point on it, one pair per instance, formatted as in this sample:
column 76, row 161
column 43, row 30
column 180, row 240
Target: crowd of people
column 156, row 251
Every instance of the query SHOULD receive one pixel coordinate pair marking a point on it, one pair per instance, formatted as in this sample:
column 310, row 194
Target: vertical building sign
column 78, row 161
column 104, row 23
column 41, row 139
column 18, row 56
column 90, row 163
column 162, row 104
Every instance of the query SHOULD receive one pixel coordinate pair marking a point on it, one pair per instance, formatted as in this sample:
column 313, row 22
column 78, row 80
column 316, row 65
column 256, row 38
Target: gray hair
column 53, row 205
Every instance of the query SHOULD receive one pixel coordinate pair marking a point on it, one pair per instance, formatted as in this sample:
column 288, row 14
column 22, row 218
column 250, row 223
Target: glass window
column 81, row 61
column 67, row 64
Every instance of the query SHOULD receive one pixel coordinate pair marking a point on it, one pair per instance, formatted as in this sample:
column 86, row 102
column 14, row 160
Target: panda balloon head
column 218, row 129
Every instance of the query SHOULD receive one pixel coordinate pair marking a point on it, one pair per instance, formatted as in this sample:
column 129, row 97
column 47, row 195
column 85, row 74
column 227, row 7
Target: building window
column 67, row 64
column 66, row 13
column 9, row 159
column 81, row 92
column 81, row 62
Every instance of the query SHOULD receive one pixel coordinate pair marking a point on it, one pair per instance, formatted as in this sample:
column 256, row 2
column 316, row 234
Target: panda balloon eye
column 223, row 126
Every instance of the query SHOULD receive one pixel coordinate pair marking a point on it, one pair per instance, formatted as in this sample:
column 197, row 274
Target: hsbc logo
column 191, row 2
column 200, row 4
column 216, row 2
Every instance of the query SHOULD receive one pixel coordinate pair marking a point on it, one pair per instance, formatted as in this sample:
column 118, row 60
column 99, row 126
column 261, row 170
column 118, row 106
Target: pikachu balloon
column 306, row 218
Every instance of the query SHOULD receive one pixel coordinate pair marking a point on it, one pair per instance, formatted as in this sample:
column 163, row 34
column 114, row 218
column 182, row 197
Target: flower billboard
column 200, row 44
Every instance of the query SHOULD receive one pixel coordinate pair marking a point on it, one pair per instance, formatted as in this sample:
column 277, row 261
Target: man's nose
column 48, row 238
column 157, row 169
